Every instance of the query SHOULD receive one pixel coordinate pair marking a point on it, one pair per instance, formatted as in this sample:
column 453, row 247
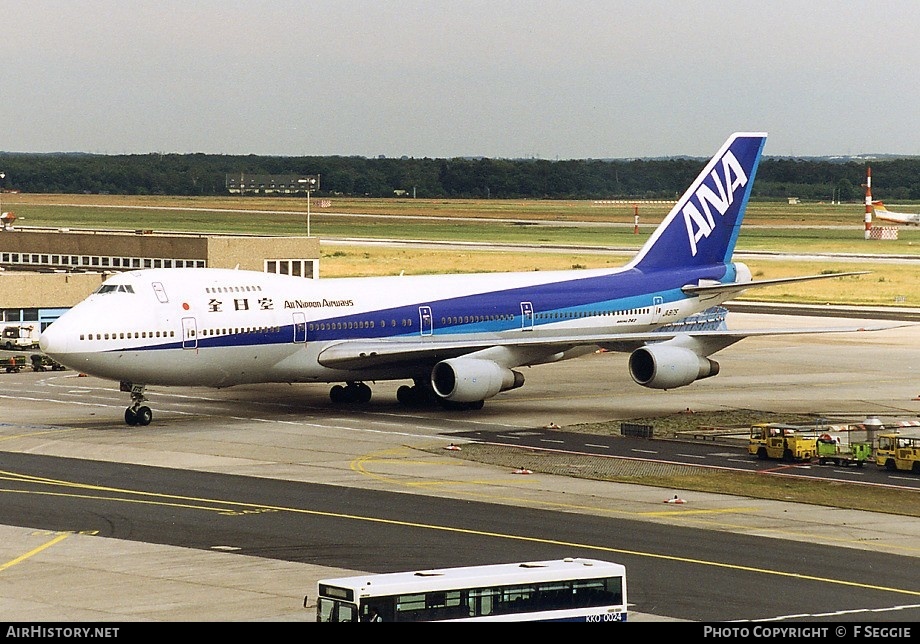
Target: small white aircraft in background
column 881, row 212
column 458, row 338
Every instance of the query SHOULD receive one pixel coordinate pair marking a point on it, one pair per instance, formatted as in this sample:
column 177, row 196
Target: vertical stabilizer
column 702, row 227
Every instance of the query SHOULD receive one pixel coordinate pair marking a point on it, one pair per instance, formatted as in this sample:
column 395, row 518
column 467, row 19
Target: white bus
column 563, row 590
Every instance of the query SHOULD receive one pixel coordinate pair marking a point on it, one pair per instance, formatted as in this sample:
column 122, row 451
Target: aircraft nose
column 50, row 342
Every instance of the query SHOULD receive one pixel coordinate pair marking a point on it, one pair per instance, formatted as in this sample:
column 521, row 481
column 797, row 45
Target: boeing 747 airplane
column 458, row 338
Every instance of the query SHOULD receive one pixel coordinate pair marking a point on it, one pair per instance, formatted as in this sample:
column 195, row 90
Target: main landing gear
column 420, row 395
column 352, row 392
column 138, row 413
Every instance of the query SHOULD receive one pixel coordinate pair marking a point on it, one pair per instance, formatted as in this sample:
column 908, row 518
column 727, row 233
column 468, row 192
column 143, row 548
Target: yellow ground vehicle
column 786, row 442
column 898, row 452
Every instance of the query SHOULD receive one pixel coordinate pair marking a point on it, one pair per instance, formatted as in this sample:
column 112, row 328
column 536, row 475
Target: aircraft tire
column 362, row 393
column 413, row 396
column 144, row 415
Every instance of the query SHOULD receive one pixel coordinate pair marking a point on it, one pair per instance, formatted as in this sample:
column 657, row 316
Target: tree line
column 811, row 179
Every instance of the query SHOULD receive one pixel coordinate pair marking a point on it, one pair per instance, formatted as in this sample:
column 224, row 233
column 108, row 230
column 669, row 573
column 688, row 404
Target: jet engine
column 663, row 366
column 472, row 379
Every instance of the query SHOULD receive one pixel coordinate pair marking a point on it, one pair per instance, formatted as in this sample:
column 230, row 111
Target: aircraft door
column 657, row 305
column 189, row 333
column 161, row 292
column 425, row 320
column 526, row 316
column 300, row 328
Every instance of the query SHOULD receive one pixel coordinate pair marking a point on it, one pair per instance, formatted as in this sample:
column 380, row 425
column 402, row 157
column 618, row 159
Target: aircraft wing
column 361, row 354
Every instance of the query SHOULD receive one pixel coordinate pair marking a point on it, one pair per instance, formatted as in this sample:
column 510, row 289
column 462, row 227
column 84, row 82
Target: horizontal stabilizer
column 718, row 288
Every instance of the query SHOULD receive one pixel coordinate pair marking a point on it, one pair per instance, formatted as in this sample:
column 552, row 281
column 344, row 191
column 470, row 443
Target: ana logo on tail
column 701, row 225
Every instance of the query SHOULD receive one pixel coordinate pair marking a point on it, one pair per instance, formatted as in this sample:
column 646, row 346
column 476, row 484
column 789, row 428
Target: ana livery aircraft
column 881, row 212
column 458, row 338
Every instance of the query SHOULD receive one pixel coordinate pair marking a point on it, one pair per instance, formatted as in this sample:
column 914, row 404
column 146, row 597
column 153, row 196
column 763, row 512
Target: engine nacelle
column 472, row 379
column 665, row 366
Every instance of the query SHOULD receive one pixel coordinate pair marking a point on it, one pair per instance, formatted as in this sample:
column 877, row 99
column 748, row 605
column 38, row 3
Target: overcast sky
column 438, row 78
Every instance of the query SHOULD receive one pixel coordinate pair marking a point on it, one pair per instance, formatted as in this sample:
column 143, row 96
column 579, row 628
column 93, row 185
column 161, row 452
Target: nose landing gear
column 138, row 413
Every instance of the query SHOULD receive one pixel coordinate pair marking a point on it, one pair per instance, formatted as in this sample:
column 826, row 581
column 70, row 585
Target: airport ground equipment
column 829, row 450
column 41, row 362
column 14, row 364
column 897, row 451
column 779, row 441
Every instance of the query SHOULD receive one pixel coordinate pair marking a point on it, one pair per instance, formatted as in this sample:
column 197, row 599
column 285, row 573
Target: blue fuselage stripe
column 488, row 312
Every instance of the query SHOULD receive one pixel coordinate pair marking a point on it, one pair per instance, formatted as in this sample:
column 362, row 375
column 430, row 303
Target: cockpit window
column 114, row 288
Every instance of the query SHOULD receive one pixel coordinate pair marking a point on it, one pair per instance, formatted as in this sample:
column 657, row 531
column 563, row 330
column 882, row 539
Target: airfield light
column 309, row 183
column 868, row 185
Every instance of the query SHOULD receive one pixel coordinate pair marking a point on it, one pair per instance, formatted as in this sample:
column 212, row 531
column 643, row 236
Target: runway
column 292, row 433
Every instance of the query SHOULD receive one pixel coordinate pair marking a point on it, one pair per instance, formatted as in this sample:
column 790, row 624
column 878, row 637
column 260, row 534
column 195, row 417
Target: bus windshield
column 556, row 590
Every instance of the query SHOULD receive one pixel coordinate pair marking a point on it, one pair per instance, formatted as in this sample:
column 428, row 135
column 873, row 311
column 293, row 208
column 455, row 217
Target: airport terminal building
column 43, row 272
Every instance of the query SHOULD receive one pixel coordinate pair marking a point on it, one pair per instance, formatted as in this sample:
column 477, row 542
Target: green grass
column 448, row 220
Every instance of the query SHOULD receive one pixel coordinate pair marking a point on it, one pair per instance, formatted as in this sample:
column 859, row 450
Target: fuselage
column 215, row 327
column 905, row 218
column 898, row 218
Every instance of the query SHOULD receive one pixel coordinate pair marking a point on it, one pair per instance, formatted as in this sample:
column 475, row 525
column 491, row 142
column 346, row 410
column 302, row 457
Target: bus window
column 334, row 611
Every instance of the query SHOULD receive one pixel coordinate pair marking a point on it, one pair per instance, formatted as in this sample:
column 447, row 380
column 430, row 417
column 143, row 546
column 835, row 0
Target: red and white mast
column 868, row 202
